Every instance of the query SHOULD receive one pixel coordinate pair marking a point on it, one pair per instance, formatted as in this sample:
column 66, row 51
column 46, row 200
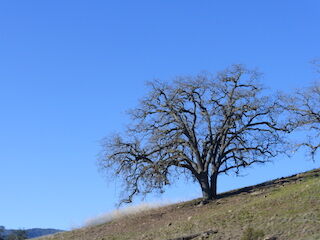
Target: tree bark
column 213, row 185
column 205, row 186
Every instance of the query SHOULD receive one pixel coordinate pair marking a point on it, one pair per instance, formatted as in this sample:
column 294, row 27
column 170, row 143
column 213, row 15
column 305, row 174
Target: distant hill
column 34, row 232
column 38, row 232
column 282, row 209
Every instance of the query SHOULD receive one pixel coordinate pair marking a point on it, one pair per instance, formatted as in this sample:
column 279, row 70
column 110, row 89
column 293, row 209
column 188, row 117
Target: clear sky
column 70, row 69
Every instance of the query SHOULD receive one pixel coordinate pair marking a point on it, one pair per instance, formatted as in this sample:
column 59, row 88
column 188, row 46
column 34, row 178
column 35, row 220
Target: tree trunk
column 205, row 187
column 213, row 185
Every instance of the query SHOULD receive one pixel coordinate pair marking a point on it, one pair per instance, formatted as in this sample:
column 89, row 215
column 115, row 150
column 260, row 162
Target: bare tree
column 198, row 127
column 304, row 114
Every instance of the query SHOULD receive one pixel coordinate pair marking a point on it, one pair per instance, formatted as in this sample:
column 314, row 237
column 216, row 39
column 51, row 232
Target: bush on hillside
column 252, row 234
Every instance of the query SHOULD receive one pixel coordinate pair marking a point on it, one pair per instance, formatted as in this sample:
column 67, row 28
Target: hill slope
column 286, row 208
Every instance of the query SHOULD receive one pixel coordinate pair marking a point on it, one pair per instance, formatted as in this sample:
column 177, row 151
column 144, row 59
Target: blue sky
column 70, row 69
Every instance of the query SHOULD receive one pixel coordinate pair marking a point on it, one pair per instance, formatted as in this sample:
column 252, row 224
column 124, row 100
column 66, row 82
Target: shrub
column 252, row 234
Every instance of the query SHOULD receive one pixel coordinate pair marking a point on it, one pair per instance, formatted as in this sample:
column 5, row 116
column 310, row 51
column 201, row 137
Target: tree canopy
column 304, row 114
column 197, row 126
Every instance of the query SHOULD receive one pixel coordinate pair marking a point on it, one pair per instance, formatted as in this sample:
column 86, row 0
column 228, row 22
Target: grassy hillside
column 286, row 208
